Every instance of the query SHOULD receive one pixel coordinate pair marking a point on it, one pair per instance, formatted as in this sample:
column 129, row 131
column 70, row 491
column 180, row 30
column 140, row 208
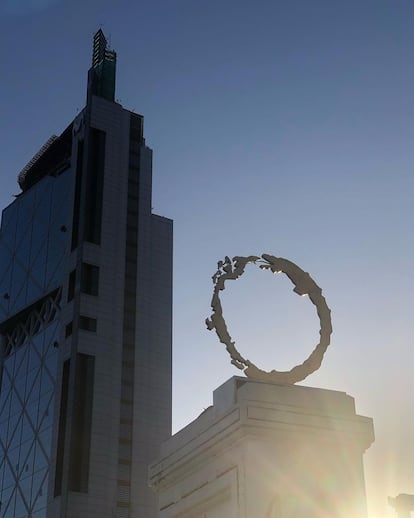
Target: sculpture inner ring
column 304, row 285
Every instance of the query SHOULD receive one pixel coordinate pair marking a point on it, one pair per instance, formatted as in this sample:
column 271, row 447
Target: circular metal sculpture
column 304, row 285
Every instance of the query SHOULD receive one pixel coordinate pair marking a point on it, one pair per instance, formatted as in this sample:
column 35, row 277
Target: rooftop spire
column 101, row 76
column 99, row 47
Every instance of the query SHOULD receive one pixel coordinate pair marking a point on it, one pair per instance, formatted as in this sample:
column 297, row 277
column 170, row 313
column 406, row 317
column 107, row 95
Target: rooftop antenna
column 101, row 76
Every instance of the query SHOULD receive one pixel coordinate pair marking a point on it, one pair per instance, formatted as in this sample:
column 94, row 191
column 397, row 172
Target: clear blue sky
column 278, row 127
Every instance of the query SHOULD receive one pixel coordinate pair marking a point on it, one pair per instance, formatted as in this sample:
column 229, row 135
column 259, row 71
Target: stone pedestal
column 266, row 451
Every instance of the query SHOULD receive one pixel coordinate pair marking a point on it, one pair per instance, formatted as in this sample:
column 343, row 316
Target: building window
column 71, row 285
column 77, row 200
column 62, row 429
column 94, row 186
column 87, row 323
column 90, row 279
column 81, row 424
column 68, row 329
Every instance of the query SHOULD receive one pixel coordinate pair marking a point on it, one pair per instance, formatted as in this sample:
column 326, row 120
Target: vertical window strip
column 77, row 199
column 127, row 373
column 62, row 428
column 94, row 186
column 82, row 424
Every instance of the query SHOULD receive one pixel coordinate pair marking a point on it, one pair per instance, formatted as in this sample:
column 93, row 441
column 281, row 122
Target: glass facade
column 27, row 400
column 33, row 243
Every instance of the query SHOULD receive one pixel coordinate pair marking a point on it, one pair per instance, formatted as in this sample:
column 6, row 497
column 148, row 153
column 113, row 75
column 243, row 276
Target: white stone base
column 266, row 451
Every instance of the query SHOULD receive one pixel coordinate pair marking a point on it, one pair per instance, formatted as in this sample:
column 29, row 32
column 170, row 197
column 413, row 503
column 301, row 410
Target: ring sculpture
column 304, row 285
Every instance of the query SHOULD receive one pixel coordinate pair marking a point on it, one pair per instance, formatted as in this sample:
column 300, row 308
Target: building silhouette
column 85, row 319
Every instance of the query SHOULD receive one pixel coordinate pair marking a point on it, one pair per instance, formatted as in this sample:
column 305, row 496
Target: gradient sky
column 277, row 127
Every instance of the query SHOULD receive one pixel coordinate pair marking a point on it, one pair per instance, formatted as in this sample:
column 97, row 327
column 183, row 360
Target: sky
column 277, row 127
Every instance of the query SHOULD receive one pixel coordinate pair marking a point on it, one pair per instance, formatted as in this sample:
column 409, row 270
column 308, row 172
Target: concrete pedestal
column 266, row 451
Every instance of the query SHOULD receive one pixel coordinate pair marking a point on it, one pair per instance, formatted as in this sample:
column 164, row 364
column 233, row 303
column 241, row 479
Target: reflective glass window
column 34, row 243
column 27, row 400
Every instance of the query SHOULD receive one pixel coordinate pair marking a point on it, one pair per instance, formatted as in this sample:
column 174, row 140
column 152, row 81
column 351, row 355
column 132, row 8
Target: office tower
column 85, row 319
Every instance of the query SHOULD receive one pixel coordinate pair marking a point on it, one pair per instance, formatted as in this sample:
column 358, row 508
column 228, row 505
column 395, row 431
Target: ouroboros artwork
column 231, row 269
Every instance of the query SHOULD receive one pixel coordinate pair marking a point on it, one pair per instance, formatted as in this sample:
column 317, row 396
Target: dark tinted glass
column 71, row 285
column 87, row 323
column 90, row 279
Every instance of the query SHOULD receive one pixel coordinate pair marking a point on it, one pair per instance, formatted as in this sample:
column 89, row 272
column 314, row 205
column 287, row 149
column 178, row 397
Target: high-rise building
column 85, row 319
